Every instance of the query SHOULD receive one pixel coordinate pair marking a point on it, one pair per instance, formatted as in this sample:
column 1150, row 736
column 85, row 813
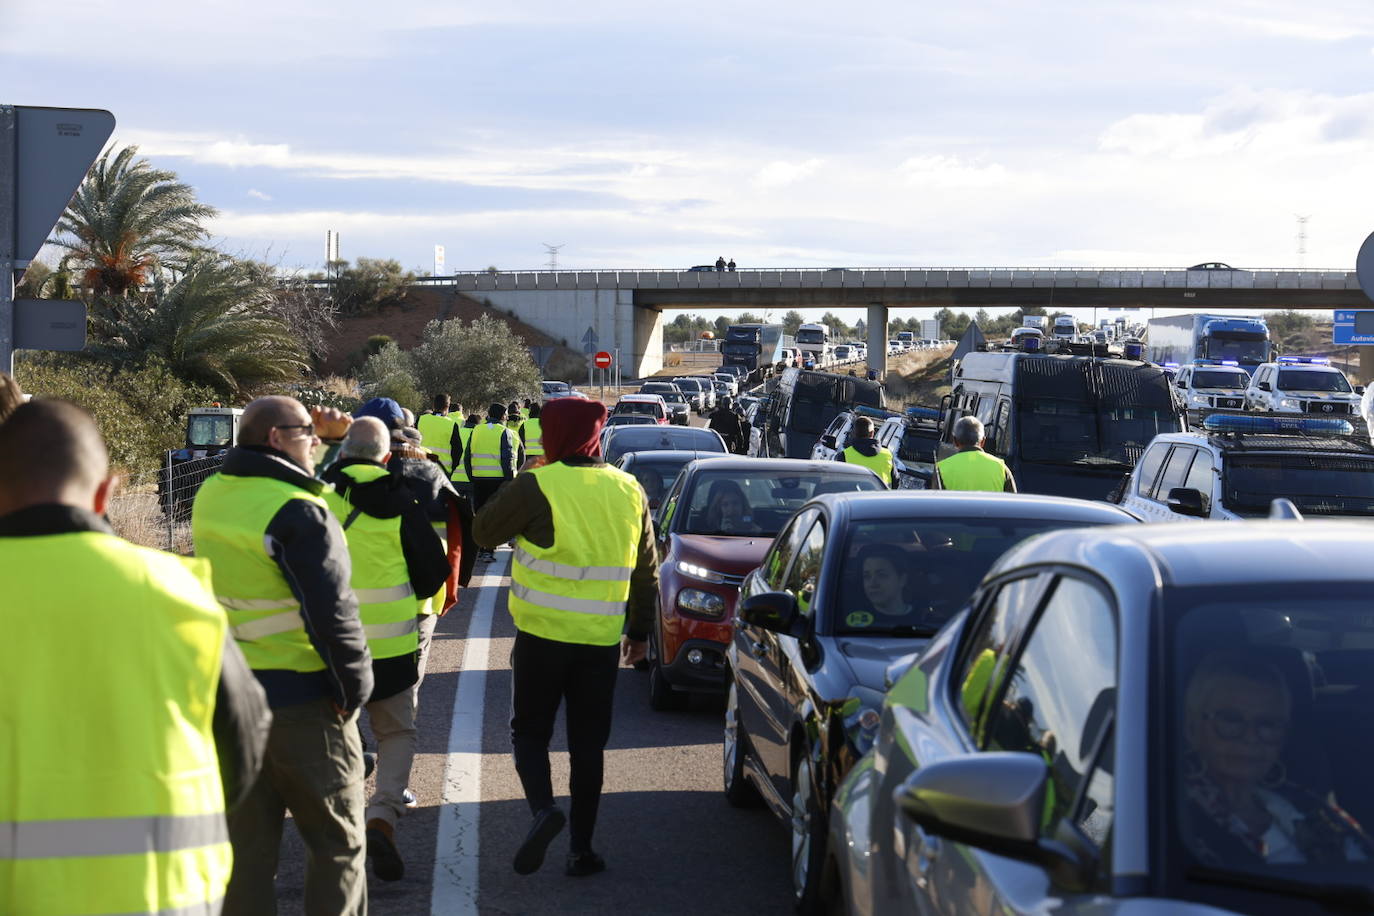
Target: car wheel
column 662, row 696
column 739, row 791
column 808, row 838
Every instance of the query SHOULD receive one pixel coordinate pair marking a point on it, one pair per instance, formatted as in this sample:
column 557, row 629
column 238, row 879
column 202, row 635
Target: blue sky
column 780, row 134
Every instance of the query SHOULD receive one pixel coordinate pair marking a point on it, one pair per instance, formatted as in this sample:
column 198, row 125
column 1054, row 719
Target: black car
column 618, row 440
column 656, row 470
column 1212, row 265
column 852, row 584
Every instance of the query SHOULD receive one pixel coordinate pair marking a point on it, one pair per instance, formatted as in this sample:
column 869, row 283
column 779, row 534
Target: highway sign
column 589, row 340
column 1353, row 327
column 49, row 324
column 1364, row 266
column 602, row 360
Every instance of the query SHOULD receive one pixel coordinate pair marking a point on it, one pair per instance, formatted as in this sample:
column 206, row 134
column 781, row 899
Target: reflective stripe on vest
column 486, row 450
column 229, row 522
column 460, row 474
column 575, row 591
column 109, row 811
column 974, row 469
column 387, row 608
column 534, row 436
column 880, row 464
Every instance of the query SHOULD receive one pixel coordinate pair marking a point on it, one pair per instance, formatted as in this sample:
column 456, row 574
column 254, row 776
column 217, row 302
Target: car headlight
column 699, row 572
column 699, row 602
column 1290, row 402
column 1198, row 399
column 861, row 717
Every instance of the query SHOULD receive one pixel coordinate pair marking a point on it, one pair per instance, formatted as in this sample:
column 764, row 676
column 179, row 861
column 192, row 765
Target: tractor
column 210, row 432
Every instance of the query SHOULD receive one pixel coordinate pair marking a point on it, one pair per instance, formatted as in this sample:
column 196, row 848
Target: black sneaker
column 582, row 864
column 547, row 825
column 381, row 849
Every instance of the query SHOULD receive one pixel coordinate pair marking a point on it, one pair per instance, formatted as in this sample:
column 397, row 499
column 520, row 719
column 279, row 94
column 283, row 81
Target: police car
column 840, row 434
column 1302, row 384
column 914, row 440
column 1236, row 466
column 1212, row 385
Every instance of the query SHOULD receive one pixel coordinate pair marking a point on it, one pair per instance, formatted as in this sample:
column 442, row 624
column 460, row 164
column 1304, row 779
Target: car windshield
column 1220, row 378
column 656, row 476
column 1252, row 350
column 1317, row 484
column 647, row 408
column 727, row 503
column 215, row 429
column 919, row 446
column 1311, row 380
column 629, row 419
column 1271, row 713
column 658, row 438
column 908, row 576
column 672, row 397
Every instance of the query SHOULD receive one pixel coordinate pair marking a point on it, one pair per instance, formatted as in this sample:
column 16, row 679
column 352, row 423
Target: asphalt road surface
column 671, row 842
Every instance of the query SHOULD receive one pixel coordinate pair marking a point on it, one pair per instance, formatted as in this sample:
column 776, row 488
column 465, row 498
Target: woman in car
column 728, row 510
column 652, row 484
column 1241, row 806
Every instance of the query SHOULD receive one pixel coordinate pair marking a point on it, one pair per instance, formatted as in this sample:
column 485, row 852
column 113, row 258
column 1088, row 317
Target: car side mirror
column 828, row 441
column 1187, row 501
column 993, row 801
column 774, row 611
column 1359, row 389
column 1264, row 386
column 1181, row 384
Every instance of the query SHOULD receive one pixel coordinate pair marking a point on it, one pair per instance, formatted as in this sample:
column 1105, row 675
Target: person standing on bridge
column 866, row 452
column 129, row 732
column 720, row 263
column 730, row 266
column 584, row 561
column 971, row 468
column 281, row 569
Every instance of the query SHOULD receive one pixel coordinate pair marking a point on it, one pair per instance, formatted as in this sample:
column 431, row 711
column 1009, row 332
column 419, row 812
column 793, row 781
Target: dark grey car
column 1143, row 719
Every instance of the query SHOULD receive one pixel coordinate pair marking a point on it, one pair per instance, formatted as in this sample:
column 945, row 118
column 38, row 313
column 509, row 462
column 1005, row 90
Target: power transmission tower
column 553, row 254
column 1302, row 241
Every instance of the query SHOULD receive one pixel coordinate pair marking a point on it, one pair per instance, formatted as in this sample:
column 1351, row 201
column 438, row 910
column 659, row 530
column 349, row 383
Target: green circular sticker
column 859, row 619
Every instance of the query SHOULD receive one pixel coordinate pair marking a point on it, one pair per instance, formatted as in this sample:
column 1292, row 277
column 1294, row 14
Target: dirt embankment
column 405, row 324
column 918, row 378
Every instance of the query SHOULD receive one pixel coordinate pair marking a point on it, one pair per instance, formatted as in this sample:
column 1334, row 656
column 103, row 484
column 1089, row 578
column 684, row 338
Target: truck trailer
column 1241, row 340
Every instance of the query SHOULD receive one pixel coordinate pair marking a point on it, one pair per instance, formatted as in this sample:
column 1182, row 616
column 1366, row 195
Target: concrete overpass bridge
column 622, row 309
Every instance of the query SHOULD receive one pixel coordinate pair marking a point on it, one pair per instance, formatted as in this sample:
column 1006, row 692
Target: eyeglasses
column 308, row 429
column 1231, row 725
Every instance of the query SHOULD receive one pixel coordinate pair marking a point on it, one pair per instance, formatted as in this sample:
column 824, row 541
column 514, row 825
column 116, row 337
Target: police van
column 802, row 405
column 1302, row 384
column 1067, row 424
column 1237, row 465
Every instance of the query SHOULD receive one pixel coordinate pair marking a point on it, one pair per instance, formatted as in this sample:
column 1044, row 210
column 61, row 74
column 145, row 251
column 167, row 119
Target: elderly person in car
column 1241, row 806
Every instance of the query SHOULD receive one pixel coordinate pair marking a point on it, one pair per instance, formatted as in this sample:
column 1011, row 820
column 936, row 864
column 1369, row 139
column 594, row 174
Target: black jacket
column 731, row 428
column 437, row 495
column 241, row 720
column 308, row 546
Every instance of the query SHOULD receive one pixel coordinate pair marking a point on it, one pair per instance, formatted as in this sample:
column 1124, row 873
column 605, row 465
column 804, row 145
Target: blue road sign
column 1353, row 327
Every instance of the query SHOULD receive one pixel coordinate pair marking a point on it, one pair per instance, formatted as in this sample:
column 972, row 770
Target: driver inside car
column 728, row 510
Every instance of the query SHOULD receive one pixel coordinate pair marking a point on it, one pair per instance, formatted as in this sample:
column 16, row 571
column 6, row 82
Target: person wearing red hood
column 584, row 571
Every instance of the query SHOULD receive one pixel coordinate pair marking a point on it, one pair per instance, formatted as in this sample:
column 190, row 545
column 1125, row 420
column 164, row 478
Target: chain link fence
column 153, row 508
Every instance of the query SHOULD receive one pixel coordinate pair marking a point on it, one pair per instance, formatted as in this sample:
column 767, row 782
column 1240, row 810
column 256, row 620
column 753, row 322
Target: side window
column 1200, row 474
column 1059, row 704
column 801, row 578
column 669, row 506
column 1175, row 471
column 986, row 408
column 990, row 646
column 1149, row 469
column 784, row 548
column 1002, row 441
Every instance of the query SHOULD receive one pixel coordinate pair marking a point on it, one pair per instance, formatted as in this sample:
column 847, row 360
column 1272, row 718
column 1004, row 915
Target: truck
column 755, row 347
column 814, row 339
column 1240, row 340
column 210, row 432
column 1065, row 328
column 1033, row 321
column 930, row 328
column 907, row 339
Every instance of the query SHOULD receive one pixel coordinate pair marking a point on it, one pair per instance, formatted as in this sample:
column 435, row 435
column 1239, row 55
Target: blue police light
column 1206, row 361
column 1306, row 360
column 1169, row 365
column 1319, row 426
column 1229, row 362
column 1132, row 350
column 923, row 413
column 1030, row 343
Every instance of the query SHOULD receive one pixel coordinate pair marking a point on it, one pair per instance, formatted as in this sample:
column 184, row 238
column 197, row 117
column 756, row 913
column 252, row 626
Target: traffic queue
column 960, row 658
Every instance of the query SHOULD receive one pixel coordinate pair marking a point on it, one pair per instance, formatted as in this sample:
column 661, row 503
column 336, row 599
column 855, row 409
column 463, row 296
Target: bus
column 803, row 403
column 1067, row 425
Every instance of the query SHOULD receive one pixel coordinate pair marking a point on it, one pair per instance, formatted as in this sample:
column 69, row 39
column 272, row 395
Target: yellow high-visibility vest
column 485, row 446
column 576, row 591
column 436, row 434
column 534, row 437
column 386, row 602
column 229, row 522
column 974, row 469
column 460, row 474
column 881, row 463
column 113, row 800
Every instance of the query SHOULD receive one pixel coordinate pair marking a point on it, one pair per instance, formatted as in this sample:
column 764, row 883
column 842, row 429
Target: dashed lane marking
column 456, row 846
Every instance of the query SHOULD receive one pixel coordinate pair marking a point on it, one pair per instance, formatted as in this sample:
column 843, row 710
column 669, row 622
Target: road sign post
column 44, row 155
column 602, row 361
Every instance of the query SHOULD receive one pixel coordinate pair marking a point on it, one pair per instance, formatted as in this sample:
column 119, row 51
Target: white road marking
column 456, row 846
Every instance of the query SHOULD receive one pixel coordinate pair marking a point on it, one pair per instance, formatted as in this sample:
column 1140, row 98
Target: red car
column 714, row 526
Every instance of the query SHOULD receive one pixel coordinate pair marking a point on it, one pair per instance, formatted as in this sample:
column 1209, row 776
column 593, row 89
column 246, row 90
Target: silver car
column 1138, row 719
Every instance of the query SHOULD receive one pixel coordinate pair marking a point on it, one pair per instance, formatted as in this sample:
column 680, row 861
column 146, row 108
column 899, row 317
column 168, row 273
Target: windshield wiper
column 1346, row 895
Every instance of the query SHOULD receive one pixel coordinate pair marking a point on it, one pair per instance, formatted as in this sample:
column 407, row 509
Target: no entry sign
column 602, row 360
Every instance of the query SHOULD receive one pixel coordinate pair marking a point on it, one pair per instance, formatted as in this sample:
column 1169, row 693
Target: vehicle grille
column 732, row 581
column 1320, row 407
column 1229, row 403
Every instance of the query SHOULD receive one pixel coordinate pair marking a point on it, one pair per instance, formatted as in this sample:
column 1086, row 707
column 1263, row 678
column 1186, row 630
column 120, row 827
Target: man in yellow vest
column 461, row 481
column 584, row 561
column 971, row 468
column 492, row 457
column 866, row 452
column 399, row 563
column 531, row 436
column 281, row 570
column 126, row 728
column 437, row 430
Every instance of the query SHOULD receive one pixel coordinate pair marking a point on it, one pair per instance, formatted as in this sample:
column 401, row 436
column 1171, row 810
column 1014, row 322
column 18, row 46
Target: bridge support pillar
column 877, row 339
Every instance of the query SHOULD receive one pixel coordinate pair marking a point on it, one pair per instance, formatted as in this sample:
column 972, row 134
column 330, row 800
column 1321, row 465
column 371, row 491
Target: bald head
column 368, row 439
column 261, row 415
column 51, row 452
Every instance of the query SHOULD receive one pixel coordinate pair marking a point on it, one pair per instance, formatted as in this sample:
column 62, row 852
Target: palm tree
column 212, row 321
column 126, row 218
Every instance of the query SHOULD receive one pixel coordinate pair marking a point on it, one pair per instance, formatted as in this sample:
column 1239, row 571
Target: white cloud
column 782, row 173
column 941, row 171
column 259, row 195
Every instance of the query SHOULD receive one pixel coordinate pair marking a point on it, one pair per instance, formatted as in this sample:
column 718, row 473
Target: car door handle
column 758, row 649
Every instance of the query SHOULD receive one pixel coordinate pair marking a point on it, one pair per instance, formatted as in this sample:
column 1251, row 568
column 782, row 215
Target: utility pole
column 1302, row 241
column 553, row 254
